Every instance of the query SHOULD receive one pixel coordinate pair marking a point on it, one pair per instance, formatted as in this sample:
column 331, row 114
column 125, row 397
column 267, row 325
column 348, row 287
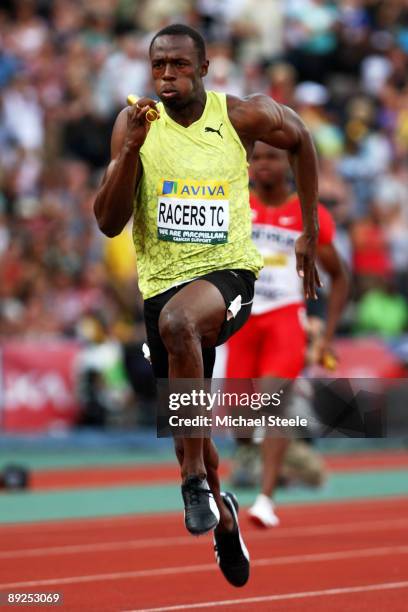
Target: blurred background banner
column 39, row 381
column 38, row 386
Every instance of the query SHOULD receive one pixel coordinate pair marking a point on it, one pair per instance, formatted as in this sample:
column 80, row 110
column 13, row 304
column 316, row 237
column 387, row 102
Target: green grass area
column 29, row 506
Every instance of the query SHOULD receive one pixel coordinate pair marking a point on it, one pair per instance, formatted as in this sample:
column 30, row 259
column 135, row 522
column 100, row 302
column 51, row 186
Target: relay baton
column 151, row 114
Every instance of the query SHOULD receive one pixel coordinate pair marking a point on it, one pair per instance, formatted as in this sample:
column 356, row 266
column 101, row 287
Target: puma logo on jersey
column 210, row 129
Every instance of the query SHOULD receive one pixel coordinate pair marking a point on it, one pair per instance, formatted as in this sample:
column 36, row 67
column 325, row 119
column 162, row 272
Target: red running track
column 333, row 557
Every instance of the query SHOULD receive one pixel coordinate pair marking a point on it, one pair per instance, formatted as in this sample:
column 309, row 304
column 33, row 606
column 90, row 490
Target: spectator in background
column 123, row 71
column 367, row 153
column 391, row 203
column 311, row 37
column 311, row 100
column 257, row 27
column 223, row 72
column 29, row 32
column 353, row 35
column 282, row 82
column 22, row 114
column 155, row 14
column 66, row 20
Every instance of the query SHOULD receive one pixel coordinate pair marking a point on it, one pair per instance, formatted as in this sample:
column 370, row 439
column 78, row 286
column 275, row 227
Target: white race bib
column 278, row 284
column 193, row 211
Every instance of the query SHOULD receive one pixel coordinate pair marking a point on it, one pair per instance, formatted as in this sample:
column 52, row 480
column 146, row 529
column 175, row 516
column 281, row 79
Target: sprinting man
column 188, row 191
column 273, row 342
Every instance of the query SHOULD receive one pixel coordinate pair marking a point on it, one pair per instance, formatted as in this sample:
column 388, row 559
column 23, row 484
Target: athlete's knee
column 177, row 329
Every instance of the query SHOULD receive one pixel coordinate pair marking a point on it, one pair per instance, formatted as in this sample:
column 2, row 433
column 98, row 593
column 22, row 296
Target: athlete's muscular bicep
column 282, row 127
column 258, row 117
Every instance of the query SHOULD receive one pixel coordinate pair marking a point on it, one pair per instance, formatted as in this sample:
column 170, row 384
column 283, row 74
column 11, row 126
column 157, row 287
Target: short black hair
column 179, row 29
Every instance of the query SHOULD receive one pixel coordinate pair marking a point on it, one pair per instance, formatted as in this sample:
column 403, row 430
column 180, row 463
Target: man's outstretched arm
column 260, row 118
column 113, row 205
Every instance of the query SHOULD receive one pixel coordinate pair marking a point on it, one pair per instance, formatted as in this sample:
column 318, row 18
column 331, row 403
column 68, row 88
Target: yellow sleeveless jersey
column 192, row 213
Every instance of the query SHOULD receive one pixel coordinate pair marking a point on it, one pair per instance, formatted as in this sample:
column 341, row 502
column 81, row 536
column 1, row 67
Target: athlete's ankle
column 193, row 473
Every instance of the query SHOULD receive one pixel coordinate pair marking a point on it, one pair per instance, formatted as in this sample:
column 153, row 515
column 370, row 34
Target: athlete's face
column 268, row 165
column 176, row 70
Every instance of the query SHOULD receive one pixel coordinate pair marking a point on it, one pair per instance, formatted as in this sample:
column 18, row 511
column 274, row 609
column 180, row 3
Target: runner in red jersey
column 273, row 342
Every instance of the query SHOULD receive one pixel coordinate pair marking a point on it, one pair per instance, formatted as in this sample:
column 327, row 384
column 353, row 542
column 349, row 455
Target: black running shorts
column 230, row 283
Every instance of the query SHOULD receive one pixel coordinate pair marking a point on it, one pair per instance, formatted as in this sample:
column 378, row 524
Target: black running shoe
column 201, row 514
column 230, row 551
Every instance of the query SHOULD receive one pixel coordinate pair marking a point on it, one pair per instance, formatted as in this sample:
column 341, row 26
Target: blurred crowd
column 66, row 67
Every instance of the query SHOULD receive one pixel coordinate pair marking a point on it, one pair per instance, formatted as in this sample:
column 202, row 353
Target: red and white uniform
column 273, row 341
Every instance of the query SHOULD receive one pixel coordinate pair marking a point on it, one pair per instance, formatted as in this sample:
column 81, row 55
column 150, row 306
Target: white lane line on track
column 209, row 567
column 280, row 533
column 280, row 597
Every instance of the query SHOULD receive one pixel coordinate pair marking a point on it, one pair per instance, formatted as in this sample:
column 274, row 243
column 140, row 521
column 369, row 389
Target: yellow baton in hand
column 151, row 114
column 329, row 361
